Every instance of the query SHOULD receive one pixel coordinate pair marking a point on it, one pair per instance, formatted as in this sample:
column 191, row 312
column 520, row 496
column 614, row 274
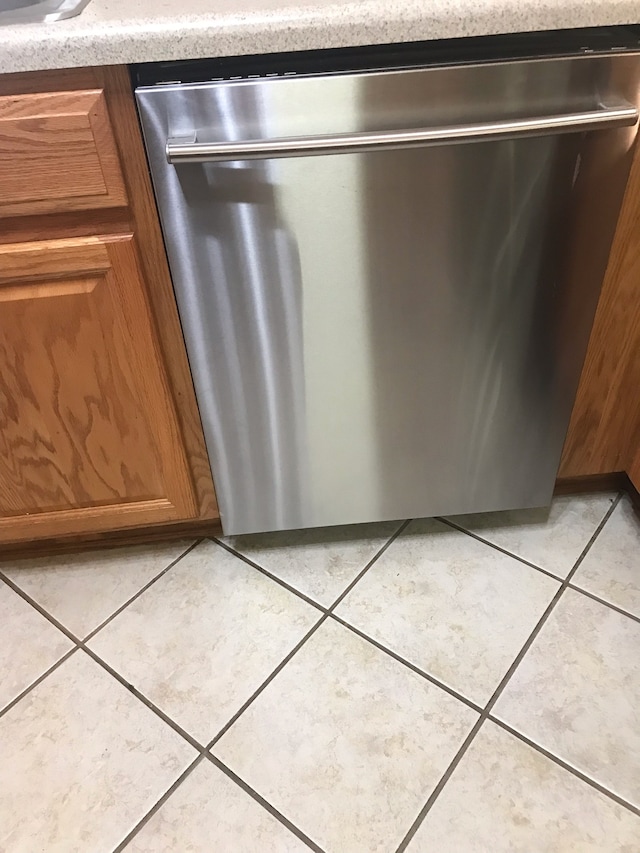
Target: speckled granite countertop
column 123, row 31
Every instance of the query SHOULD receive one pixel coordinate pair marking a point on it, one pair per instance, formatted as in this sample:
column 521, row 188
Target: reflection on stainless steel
column 391, row 140
column 38, row 11
column 389, row 333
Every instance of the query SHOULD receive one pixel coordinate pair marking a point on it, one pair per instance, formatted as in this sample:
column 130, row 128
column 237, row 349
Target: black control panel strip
column 393, row 56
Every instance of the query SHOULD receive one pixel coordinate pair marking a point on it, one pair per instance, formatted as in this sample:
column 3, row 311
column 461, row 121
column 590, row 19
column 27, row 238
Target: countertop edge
column 90, row 40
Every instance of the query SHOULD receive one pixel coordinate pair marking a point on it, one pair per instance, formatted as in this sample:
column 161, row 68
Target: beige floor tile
column 550, row 538
column 451, row 605
column 202, row 639
column 211, row 813
column 577, row 692
column 320, row 562
column 346, row 742
column 505, row 797
column 82, row 762
column 611, row 568
column 30, row 645
column 82, row 590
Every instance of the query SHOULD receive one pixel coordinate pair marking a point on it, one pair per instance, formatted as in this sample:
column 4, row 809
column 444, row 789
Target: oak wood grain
column 52, row 259
column 140, row 216
column 57, row 153
column 98, row 518
column 89, row 438
column 116, row 84
column 137, row 534
column 604, row 432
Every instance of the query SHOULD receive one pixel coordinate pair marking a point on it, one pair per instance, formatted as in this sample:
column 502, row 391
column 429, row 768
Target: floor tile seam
column 80, row 644
column 575, row 588
column 263, row 802
column 345, row 592
column 60, row 626
column 566, row 765
column 593, row 539
column 548, row 611
column 441, row 784
column 423, row 673
column 41, row 610
column 307, row 599
column 266, row 682
column 290, row 588
column 502, row 550
column 501, row 686
column 618, row 496
column 148, row 703
column 32, row 685
column 141, row 591
column 175, row 785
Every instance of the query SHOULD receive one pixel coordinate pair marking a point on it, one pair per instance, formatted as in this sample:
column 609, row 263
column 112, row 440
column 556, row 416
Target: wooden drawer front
column 57, row 153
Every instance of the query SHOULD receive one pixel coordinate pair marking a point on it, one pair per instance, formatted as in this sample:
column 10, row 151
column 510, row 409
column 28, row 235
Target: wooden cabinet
column 604, row 434
column 99, row 429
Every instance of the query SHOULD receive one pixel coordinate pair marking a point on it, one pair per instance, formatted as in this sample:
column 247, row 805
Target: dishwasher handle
column 192, row 151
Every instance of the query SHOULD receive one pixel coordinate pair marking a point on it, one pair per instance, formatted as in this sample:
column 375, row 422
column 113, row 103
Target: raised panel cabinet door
column 89, row 438
column 57, row 154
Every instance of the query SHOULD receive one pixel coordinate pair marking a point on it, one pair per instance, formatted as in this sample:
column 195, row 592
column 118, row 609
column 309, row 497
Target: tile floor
column 430, row 686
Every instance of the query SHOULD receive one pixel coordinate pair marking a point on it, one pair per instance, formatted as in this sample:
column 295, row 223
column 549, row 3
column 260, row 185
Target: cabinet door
column 89, row 438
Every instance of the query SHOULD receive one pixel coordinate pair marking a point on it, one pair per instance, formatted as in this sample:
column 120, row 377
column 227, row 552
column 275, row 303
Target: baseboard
column 193, row 529
column 633, row 493
column 592, row 483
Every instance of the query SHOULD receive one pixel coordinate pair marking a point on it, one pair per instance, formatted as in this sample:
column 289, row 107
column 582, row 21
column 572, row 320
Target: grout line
column 442, row 782
column 271, row 576
column 608, row 604
column 267, row 681
column 145, row 701
column 26, row 597
column 540, row 624
column 503, row 683
column 565, row 765
column 432, row 679
column 264, row 803
column 298, row 646
column 293, row 589
column 119, row 610
column 158, row 805
column 80, row 644
column 345, row 592
column 501, row 550
column 37, row 681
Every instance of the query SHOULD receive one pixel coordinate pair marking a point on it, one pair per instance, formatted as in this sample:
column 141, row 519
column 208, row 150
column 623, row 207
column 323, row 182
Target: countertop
column 123, row 31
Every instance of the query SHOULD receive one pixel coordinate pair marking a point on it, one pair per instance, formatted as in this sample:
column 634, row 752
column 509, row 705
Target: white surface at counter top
column 124, row 31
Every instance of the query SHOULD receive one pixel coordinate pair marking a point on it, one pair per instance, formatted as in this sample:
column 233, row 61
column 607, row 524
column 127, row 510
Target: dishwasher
column 387, row 262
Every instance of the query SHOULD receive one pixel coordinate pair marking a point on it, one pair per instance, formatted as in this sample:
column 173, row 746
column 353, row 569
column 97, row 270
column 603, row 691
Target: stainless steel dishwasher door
column 391, row 325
